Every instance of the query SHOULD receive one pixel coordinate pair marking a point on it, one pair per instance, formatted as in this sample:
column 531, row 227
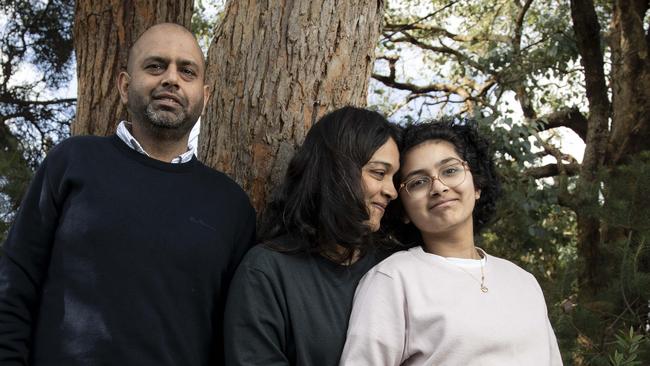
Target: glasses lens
column 452, row 174
column 418, row 186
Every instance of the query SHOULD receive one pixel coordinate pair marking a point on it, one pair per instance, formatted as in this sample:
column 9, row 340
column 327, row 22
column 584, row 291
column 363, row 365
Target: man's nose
column 170, row 77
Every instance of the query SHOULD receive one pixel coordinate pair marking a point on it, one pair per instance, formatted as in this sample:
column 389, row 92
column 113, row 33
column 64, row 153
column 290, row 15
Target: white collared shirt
column 125, row 135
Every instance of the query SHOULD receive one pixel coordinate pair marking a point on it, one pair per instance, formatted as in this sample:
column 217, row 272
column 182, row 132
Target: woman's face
column 377, row 181
column 442, row 209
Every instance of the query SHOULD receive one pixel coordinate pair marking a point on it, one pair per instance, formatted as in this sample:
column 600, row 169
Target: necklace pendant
column 484, row 289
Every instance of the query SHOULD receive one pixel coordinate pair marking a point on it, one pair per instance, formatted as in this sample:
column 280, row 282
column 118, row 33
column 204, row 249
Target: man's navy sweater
column 119, row 259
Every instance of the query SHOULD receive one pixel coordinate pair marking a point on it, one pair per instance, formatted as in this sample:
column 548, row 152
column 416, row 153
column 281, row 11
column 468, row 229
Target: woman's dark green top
column 290, row 309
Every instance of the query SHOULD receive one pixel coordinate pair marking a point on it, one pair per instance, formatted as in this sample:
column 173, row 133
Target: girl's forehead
column 431, row 151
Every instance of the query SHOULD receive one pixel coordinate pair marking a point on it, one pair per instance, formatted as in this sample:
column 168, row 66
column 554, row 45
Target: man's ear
column 206, row 97
column 123, row 81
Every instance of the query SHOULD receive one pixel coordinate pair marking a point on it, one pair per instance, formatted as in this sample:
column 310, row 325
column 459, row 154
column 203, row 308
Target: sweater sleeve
column 245, row 240
column 254, row 324
column 377, row 330
column 23, row 266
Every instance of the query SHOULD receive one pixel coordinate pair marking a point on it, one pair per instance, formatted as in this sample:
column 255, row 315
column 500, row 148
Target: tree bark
column 103, row 33
column 587, row 31
column 274, row 68
column 630, row 81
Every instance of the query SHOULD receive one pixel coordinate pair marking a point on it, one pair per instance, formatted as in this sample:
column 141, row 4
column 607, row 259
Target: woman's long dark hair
column 321, row 202
column 471, row 147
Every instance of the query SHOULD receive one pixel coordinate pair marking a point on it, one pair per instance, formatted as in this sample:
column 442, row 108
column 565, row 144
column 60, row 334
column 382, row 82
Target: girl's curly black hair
column 471, row 147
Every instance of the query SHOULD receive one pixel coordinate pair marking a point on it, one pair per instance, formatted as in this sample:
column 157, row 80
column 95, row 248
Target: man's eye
column 154, row 67
column 188, row 71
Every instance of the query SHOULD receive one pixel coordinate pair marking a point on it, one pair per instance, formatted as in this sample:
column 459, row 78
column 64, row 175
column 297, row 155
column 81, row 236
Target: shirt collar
column 124, row 134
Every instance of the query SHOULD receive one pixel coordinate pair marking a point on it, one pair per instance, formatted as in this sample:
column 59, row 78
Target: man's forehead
column 167, row 41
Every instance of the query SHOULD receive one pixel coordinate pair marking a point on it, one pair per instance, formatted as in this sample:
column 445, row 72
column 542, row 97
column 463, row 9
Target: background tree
column 35, row 58
column 274, row 68
column 530, row 70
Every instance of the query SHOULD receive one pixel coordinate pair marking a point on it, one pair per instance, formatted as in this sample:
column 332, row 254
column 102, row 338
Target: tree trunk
column 587, row 31
column 103, row 32
column 631, row 80
column 274, row 68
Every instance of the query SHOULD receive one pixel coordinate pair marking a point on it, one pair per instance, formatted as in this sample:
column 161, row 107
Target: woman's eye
column 379, row 173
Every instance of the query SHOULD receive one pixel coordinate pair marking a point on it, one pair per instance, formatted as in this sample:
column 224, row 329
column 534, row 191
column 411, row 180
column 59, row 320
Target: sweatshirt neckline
column 458, row 262
column 151, row 162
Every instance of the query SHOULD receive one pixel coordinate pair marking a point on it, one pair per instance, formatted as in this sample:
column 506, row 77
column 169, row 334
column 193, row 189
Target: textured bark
column 274, row 68
column 103, row 32
column 587, row 31
column 630, row 81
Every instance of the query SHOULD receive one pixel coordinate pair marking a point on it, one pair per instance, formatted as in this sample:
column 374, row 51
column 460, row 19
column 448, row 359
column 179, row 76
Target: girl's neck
column 451, row 244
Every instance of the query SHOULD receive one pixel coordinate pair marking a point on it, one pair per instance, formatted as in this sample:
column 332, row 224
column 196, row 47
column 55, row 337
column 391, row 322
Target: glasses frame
column 433, row 178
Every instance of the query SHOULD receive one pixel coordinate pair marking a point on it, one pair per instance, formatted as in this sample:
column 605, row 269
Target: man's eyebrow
column 186, row 62
column 165, row 60
column 155, row 58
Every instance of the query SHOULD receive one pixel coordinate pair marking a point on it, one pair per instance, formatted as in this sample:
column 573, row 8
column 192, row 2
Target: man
column 124, row 246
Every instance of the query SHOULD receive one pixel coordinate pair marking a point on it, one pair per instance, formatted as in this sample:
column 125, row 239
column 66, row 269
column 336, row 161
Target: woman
column 445, row 301
column 291, row 296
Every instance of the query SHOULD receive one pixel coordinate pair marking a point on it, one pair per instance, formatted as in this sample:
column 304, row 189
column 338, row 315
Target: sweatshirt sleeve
column 254, row 324
column 377, row 334
column 23, row 266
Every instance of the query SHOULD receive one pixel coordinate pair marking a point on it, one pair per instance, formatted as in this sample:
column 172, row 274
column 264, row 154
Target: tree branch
column 552, row 170
column 434, row 30
column 435, row 87
column 408, row 38
column 571, row 118
column 406, row 26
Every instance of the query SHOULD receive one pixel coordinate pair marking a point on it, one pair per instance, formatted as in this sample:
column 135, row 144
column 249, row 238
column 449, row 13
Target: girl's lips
column 443, row 204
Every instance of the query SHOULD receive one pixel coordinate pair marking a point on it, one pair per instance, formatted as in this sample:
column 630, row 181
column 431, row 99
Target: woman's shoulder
column 275, row 255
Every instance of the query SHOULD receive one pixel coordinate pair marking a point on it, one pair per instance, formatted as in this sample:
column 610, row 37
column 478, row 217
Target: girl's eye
column 418, row 182
column 450, row 170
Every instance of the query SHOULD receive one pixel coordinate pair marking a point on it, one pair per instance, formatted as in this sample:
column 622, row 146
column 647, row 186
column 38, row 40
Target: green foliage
column 627, row 349
column 36, row 61
column 206, row 16
column 596, row 330
column 15, row 175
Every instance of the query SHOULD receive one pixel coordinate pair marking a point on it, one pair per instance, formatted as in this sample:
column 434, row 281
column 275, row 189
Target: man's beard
column 166, row 124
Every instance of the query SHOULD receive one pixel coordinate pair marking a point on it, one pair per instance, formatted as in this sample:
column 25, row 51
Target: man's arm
column 23, row 266
column 245, row 240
